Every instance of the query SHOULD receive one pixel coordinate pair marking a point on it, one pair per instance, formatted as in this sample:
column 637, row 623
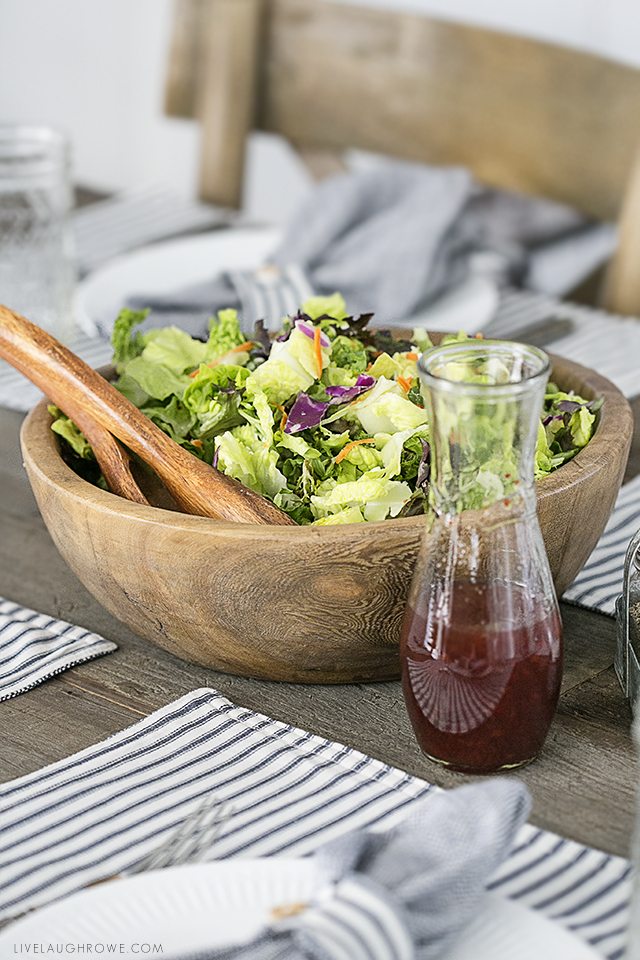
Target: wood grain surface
column 583, row 784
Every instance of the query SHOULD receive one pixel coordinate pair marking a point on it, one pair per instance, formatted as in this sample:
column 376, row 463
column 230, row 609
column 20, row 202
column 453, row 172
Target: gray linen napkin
column 393, row 239
column 404, row 894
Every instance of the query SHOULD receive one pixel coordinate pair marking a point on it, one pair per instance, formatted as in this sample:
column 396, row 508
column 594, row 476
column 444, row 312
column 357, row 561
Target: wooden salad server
column 112, row 458
column 105, row 416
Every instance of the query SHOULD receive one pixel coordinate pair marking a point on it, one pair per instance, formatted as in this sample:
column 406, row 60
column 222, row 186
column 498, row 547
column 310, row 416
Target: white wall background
column 96, row 69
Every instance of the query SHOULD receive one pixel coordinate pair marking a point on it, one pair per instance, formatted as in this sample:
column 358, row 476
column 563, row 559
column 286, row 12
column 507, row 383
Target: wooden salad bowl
column 303, row 604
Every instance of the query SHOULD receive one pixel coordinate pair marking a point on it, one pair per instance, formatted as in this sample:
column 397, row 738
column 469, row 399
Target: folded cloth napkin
column 35, row 647
column 394, row 238
column 101, row 811
column 403, row 894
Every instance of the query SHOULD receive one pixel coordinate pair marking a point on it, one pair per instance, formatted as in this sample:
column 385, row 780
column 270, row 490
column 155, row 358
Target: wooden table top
column 582, row 785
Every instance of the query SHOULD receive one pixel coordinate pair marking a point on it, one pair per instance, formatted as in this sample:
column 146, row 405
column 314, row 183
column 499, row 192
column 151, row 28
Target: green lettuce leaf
column 373, row 493
column 157, row 380
column 421, row 339
column 332, row 306
column 174, row 418
column 350, row 354
column 224, row 334
column 67, row 429
column 127, row 344
column 173, row 348
column 348, row 515
column 279, row 377
column 385, row 409
column 243, row 455
column 223, row 413
column 301, row 348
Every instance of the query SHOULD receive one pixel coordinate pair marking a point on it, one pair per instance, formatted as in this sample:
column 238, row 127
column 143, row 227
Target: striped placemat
column 599, row 583
column 100, row 811
column 18, row 393
column 608, row 343
column 35, row 647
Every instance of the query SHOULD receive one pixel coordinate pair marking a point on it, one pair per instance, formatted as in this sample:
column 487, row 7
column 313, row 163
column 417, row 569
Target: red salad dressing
column 481, row 673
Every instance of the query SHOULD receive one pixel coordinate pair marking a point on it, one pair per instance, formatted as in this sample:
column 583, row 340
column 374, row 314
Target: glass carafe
column 482, row 636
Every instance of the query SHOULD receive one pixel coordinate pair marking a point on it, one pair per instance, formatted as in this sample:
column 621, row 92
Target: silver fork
column 190, row 842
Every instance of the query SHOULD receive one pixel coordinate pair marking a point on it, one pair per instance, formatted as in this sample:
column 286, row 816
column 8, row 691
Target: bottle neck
column 483, row 448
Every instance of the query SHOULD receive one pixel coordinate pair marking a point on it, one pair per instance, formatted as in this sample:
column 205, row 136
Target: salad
column 327, row 420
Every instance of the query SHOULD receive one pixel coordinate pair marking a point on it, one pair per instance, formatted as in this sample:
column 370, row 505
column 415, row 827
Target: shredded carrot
column 411, row 355
column 194, row 373
column 349, row 447
column 479, row 336
column 283, row 421
column 405, row 383
column 197, row 443
column 317, row 346
column 247, row 345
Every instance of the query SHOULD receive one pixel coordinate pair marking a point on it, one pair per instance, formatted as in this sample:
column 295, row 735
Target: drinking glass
column 481, row 639
column 36, row 255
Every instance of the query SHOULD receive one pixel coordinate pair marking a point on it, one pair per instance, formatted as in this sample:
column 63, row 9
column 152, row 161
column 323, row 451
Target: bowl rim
column 42, row 457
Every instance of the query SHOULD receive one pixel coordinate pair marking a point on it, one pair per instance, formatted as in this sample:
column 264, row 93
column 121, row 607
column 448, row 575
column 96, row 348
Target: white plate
column 169, row 266
column 226, row 903
column 166, row 267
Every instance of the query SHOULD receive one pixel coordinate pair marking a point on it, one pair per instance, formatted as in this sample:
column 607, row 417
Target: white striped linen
column 34, row 647
column 100, row 811
column 18, row 393
column 347, row 921
column 608, row 343
column 269, row 293
column 599, row 583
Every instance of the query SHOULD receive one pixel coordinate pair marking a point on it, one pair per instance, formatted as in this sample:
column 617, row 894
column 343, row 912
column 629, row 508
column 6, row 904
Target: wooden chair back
column 519, row 113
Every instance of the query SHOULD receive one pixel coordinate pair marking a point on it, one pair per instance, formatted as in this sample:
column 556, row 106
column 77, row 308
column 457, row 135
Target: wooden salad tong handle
column 112, row 458
column 87, row 398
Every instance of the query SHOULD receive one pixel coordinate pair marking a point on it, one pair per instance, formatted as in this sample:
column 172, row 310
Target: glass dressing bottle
column 482, row 638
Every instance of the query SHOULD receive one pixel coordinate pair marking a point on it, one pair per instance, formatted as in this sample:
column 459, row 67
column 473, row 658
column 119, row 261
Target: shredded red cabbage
column 569, row 406
column 305, row 413
column 346, row 394
column 309, row 331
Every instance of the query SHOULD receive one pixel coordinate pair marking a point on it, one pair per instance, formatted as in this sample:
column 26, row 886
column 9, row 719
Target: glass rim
column 449, row 351
column 28, row 150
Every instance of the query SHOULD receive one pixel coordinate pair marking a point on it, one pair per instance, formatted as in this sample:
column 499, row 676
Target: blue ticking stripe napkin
column 600, row 581
column 34, row 647
column 100, row 811
column 407, row 893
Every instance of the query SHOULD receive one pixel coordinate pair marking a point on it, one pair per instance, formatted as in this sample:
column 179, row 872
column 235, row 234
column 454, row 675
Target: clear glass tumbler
column 481, row 640
column 36, row 250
